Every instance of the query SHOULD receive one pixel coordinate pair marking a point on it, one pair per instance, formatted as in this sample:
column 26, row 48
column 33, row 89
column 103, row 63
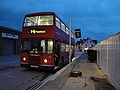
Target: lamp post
column 70, row 39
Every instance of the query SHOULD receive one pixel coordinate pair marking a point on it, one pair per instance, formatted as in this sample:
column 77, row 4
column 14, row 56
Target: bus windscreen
column 37, row 46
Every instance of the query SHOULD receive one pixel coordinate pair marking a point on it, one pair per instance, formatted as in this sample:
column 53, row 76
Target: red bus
column 45, row 41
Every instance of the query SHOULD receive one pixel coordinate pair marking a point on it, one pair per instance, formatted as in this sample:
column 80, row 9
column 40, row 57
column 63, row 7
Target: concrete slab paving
column 74, row 83
column 64, row 82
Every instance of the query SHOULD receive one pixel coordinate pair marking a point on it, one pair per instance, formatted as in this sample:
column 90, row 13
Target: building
column 9, row 41
column 85, row 44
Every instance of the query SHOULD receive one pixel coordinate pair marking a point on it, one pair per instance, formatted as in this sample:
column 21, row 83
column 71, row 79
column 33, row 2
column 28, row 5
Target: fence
column 108, row 58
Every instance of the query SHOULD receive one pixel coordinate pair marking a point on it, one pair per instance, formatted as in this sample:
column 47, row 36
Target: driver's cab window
column 43, row 45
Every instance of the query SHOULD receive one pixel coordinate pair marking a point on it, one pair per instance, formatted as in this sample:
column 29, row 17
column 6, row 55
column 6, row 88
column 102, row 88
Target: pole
column 75, row 47
column 70, row 38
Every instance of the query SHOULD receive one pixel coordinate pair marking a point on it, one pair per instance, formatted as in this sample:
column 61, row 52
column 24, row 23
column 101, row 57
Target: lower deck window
column 37, row 46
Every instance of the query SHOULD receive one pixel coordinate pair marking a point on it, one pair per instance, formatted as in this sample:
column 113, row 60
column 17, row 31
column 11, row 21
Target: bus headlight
column 24, row 59
column 45, row 60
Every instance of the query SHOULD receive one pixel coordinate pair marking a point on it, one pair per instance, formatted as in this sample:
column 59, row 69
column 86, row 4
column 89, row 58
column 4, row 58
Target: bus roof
column 40, row 13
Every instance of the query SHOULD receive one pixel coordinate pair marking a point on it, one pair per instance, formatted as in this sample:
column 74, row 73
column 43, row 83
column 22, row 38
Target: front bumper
column 25, row 65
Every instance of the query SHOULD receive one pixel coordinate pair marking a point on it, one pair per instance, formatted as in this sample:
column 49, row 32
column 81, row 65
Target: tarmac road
column 13, row 77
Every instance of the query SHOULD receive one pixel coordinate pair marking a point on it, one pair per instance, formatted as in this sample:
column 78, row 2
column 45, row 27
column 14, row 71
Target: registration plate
column 33, row 66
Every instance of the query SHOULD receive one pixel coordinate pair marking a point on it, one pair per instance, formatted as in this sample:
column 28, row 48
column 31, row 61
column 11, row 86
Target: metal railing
column 108, row 58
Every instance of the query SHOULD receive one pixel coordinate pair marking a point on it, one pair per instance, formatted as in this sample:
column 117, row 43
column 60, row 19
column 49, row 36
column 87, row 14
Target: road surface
column 13, row 77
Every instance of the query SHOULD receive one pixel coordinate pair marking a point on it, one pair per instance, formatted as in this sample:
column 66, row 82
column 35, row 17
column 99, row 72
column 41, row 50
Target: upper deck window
column 62, row 26
column 57, row 21
column 67, row 30
column 39, row 20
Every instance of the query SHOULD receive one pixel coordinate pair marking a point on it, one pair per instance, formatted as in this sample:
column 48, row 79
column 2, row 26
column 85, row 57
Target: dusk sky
column 97, row 19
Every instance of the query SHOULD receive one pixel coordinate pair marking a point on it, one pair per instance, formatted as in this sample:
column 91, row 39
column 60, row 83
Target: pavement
column 8, row 58
column 9, row 61
column 92, row 77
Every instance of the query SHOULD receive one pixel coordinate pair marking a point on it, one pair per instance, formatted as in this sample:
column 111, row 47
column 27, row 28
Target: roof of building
column 9, row 29
column 82, row 41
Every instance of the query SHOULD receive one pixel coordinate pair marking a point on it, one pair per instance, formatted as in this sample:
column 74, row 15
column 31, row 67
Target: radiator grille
column 34, row 60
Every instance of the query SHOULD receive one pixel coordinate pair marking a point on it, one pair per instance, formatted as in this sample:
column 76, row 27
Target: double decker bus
column 45, row 41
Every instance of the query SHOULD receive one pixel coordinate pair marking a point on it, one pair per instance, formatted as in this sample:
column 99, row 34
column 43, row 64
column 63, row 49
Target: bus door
column 57, row 52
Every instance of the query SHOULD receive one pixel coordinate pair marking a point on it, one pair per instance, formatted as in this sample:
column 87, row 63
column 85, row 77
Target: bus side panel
column 65, row 55
column 61, row 36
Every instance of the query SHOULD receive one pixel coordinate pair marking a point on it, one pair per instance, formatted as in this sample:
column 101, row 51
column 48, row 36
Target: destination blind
column 37, row 31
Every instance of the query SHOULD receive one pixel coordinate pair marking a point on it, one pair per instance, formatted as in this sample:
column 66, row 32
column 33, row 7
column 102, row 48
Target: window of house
column 92, row 45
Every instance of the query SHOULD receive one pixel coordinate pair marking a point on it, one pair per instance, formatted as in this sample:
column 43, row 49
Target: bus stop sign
column 77, row 33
